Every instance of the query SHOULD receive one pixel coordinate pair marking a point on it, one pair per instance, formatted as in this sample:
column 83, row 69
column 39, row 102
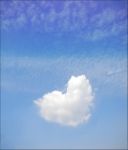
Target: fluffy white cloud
column 70, row 108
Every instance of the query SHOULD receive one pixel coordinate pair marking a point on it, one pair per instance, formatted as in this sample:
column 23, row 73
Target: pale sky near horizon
column 43, row 44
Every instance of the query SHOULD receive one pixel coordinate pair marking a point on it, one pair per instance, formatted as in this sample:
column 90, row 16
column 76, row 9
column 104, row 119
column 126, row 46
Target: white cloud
column 70, row 108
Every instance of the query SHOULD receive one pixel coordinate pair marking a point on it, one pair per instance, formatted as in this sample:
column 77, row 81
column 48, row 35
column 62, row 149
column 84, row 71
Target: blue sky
column 44, row 43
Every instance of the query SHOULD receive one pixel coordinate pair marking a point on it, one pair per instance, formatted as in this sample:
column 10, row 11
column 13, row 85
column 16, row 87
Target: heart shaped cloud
column 70, row 108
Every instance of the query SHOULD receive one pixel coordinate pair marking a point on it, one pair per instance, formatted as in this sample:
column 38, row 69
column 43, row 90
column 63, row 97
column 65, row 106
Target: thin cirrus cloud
column 108, row 70
column 62, row 16
column 70, row 108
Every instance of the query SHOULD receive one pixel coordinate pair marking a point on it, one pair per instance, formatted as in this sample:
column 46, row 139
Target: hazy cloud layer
column 108, row 72
column 70, row 108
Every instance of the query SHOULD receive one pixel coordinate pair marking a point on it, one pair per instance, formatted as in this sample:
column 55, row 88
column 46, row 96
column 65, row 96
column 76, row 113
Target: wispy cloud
column 102, row 70
column 62, row 16
column 70, row 108
column 45, row 15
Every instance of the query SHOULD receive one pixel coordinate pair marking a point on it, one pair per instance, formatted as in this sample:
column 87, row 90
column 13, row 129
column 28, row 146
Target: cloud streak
column 70, row 108
column 101, row 72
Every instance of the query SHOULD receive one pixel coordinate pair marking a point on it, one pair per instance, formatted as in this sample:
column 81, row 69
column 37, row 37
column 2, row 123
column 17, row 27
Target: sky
column 49, row 50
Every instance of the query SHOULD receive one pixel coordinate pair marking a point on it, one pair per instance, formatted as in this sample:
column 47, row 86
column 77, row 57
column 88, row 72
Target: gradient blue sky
column 43, row 43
